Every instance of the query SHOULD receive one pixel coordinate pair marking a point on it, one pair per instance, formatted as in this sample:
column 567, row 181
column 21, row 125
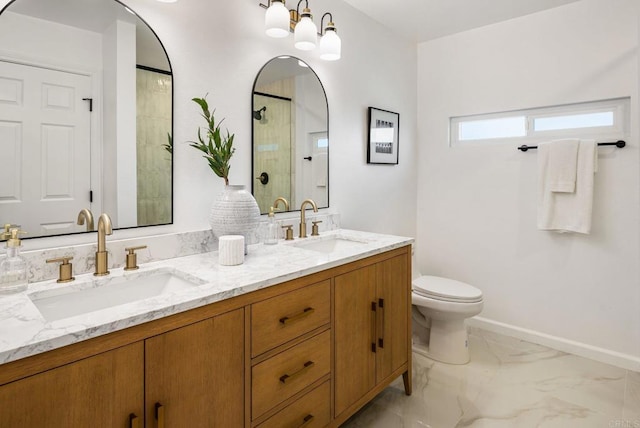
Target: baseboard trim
column 625, row 361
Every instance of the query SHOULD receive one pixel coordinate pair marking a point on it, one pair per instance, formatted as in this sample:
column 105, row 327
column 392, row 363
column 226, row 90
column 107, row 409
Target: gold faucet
column 283, row 200
column 102, row 257
column 303, row 222
column 86, row 215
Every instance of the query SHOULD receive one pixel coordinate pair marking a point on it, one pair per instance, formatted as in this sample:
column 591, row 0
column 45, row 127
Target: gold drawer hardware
column 66, row 269
column 160, row 415
column 132, row 257
column 305, row 313
column 306, row 367
column 134, row 421
column 306, row 421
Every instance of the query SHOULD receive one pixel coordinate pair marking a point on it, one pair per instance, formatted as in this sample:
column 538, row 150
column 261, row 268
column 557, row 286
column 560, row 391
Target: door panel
column 392, row 277
column 45, row 142
column 353, row 328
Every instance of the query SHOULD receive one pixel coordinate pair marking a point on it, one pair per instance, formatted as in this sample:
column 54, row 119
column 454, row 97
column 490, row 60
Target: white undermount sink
column 94, row 295
column 330, row 244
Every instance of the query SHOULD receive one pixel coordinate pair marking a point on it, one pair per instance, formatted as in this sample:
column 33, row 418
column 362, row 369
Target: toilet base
column 449, row 341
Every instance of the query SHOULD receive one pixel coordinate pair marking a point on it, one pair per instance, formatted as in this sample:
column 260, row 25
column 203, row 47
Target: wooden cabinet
column 194, row 374
column 291, row 346
column 105, row 390
column 372, row 333
column 308, row 352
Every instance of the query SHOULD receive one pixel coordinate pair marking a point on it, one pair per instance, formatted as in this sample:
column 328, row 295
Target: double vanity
column 304, row 333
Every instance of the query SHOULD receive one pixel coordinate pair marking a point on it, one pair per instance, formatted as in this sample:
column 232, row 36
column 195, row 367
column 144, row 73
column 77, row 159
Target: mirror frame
column 171, row 221
column 326, row 100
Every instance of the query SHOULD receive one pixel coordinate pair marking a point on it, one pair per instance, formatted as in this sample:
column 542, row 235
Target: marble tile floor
column 509, row 383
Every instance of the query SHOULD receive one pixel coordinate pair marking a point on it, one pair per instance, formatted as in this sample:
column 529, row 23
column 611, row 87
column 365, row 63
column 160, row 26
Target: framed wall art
column 384, row 127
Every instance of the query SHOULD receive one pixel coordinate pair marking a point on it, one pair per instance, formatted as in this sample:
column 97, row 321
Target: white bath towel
column 320, row 169
column 563, row 165
column 563, row 211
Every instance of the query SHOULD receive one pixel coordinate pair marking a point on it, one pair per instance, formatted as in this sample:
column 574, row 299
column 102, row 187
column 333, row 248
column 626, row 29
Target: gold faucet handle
column 288, row 232
column 6, row 234
column 66, row 268
column 314, row 228
column 132, row 257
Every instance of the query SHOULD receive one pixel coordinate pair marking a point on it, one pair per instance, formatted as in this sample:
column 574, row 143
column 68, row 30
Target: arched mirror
column 290, row 135
column 86, row 113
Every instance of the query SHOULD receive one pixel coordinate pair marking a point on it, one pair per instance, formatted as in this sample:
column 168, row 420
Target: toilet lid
column 445, row 289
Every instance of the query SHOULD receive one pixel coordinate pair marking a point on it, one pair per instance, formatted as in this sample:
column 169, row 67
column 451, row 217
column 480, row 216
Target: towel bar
column 619, row 144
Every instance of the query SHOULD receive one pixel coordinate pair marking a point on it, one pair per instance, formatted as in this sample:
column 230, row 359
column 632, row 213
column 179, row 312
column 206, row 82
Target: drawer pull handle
column 305, row 313
column 306, row 421
column 160, row 415
column 285, row 377
column 134, row 421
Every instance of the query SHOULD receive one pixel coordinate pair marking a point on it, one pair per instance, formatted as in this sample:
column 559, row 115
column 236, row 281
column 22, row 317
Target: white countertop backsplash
column 159, row 247
column 24, row 332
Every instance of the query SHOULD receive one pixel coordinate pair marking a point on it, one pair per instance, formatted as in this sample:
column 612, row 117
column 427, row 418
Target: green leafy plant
column 216, row 146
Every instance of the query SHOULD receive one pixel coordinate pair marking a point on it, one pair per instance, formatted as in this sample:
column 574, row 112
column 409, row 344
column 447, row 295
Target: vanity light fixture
column 305, row 34
column 277, row 20
column 330, row 44
column 280, row 21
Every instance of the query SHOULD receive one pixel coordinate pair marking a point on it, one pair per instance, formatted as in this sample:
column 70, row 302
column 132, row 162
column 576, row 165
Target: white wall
column 218, row 48
column 477, row 205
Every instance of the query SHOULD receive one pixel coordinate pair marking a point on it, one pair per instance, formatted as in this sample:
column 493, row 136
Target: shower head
column 257, row 114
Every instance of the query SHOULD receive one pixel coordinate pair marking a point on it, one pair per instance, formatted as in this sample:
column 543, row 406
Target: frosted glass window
column 503, row 127
column 574, row 121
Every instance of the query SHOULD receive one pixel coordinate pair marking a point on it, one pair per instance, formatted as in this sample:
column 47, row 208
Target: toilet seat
column 446, row 290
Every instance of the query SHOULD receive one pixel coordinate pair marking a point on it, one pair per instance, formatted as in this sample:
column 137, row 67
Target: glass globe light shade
column 330, row 45
column 306, row 33
column 276, row 20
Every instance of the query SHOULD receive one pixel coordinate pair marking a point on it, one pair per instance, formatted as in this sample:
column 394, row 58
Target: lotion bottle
column 13, row 268
column 271, row 235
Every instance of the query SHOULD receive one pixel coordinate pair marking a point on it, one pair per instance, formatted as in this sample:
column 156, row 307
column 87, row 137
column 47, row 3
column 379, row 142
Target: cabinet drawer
column 289, row 372
column 311, row 411
column 282, row 318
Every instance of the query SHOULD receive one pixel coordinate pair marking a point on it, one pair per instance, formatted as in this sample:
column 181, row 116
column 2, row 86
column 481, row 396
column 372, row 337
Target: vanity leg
column 406, row 377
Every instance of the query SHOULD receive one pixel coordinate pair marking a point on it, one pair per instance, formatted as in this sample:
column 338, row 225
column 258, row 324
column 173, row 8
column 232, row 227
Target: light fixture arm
column 306, row 6
column 269, row 2
column 322, row 27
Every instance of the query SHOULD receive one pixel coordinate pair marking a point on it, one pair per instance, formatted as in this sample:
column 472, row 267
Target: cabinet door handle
column 288, row 377
column 306, row 421
column 381, row 327
column 373, row 326
column 160, row 415
column 306, row 312
column 134, row 421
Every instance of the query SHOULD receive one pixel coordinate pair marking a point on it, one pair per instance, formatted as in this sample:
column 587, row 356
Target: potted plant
column 234, row 211
column 217, row 148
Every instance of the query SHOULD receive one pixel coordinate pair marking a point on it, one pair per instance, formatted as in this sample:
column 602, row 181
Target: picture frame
column 383, row 141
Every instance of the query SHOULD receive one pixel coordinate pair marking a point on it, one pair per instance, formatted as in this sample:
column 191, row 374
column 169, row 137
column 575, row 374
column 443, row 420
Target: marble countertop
column 25, row 332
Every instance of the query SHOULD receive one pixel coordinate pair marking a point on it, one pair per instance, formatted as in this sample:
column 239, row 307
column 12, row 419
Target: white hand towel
column 567, row 212
column 319, row 169
column 563, row 165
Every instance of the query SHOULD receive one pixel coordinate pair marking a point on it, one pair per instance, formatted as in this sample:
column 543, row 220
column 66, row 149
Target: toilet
column 440, row 308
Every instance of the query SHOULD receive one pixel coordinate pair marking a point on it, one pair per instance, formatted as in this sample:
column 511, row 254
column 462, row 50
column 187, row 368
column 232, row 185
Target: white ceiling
column 422, row 20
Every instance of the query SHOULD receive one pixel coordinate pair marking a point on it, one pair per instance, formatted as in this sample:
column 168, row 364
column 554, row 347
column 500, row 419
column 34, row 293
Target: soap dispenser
column 13, row 268
column 271, row 235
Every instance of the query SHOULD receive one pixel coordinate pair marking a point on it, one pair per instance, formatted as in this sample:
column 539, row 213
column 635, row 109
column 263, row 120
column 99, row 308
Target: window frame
column 620, row 107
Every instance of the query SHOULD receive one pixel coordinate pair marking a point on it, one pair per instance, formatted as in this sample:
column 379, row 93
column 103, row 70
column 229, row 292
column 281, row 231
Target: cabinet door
column 195, row 375
column 354, row 330
column 100, row 391
column 393, row 320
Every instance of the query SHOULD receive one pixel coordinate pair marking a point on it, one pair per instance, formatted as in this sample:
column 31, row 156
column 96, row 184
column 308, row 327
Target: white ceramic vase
column 234, row 212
